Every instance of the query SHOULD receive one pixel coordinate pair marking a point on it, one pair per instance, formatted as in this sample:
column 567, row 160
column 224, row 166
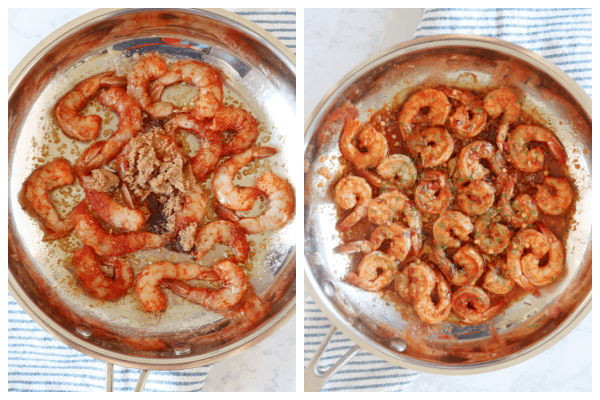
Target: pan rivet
column 182, row 348
column 83, row 330
column 328, row 288
column 398, row 344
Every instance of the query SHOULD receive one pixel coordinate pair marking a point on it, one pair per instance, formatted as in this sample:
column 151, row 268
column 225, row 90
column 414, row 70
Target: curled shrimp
column 207, row 81
column 528, row 158
column 473, row 305
column 211, row 146
column 415, row 280
column 195, row 204
column 431, row 312
column 352, row 192
column 368, row 138
column 554, row 196
column 433, row 193
column 399, row 169
column 434, row 100
column 375, row 271
column 434, row 145
column 469, row 161
column 522, row 211
column 95, row 280
column 144, row 71
column 235, row 284
column 37, row 191
column 502, row 102
column 476, row 197
column 470, row 117
column 224, row 232
column 398, row 234
column 537, row 244
column 467, row 268
column 279, row 210
column 240, row 121
column 130, row 123
column 151, row 277
column 108, row 244
column 540, row 275
column 384, row 209
column 496, row 280
column 450, row 228
column 119, row 216
column 491, row 237
column 84, row 127
column 226, row 192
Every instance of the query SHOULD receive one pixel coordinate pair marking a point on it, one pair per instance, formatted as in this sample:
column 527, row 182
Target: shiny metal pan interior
column 258, row 72
column 528, row 326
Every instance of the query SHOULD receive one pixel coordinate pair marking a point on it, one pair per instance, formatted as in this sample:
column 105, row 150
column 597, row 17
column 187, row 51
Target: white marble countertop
column 335, row 42
column 268, row 366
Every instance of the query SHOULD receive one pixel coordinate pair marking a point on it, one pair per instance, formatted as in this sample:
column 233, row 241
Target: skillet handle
column 314, row 377
column 110, row 377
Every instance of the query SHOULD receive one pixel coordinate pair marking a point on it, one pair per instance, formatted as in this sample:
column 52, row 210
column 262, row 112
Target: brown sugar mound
column 102, row 180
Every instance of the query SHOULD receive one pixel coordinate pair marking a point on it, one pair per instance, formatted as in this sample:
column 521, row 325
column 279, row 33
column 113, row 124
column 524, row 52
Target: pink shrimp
column 144, row 71
column 240, row 121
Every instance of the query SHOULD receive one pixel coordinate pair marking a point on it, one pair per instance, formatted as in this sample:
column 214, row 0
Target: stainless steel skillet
column 258, row 71
column 529, row 326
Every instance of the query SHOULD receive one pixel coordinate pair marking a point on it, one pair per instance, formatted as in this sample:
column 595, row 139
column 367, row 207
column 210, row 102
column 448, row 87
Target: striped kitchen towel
column 39, row 362
column 363, row 373
column 563, row 36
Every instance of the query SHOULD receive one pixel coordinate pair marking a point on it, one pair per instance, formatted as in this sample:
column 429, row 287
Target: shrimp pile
column 457, row 198
column 142, row 191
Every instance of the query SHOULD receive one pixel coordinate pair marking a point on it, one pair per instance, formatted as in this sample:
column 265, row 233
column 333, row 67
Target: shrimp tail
column 226, row 213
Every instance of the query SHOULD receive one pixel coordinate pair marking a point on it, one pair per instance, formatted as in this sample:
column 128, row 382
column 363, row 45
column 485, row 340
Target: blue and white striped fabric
column 39, row 362
column 563, row 36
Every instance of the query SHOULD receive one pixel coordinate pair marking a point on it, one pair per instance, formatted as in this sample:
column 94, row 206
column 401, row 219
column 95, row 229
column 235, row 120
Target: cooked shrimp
column 240, row 121
column 522, row 211
column 211, row 146
column 434, row 145
column 235, row 284
column 130, row 123
column 207, row 81
column 434, row 192
column 554, row 196
column 279, row 210
column 119, row 216
column 84, row 127
column 384, row 209
column 226, row 192
column 352, row 192
column 473, row 305
column 450, row 228
column 496, row 280
column 375, row 271
column 195, row 204
column 415, row 280
column 399, row 169
column 37, row 191
column 527, row 158
column 469, row 118
column 467, row 268
column 107, row 244
column 143, row 72
column 469, row 161
column 95, row 280
column 398, row 234
column 431, row 312
column 369, row 139
column 225, row 232
column 148, row 281
column 527, row 239
column 502, row 102
column 476, row 197
column 541, row 275
column 491, row 237
column 434, row 100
